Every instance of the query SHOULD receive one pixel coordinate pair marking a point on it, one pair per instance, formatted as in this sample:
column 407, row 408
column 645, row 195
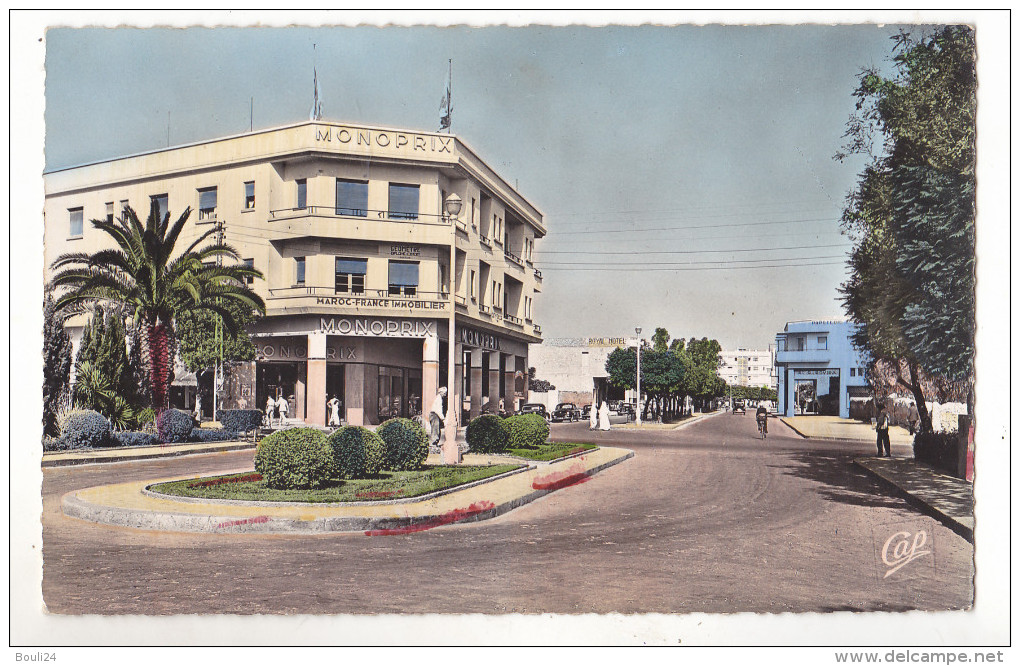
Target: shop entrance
column 274, row 380
column 335, row 388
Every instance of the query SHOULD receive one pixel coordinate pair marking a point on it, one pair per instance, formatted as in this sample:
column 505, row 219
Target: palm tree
column 142, row 273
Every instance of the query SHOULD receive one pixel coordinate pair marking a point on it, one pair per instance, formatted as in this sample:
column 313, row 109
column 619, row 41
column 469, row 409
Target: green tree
column 912, row 213
column 57, row 360
column 197, row 342
column 145, row 273
column 104, row 381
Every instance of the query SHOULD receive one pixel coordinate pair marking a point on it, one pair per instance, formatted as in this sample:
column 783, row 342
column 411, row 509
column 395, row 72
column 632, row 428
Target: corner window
column 77, row 222
column 207, row 204
column 162, row 202
column 249, row 195
column 351, row 197
column 302, row 194
column 299, row 273
column 403, row 203
column 350, row 275
column 403, row 278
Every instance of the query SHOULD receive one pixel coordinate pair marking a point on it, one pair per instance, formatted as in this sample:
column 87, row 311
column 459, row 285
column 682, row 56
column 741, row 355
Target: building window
column 471, row 286
column 123, row 207
column 443, row 287
column 474, row 221
column 497, row 294
column 249, row 263
column 302, row 194
column 299, row 273
column 350, row 275
column 162, row 202
column 403, row 203
column 77, row 227
column 352, row 197
column 403, row 278
column 207, row 204
column 109, row 212
column 853, row 372
column 249, row 195
column 823, row 342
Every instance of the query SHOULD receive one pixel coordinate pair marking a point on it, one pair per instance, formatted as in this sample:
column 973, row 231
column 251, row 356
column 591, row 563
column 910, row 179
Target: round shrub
column 211, row 435
column 527, row 431
column 129, row 438
column 173, row 425
column 357, row 452
column 294, row 458
column 85, row 428
column 488, row 434
column 406, row 444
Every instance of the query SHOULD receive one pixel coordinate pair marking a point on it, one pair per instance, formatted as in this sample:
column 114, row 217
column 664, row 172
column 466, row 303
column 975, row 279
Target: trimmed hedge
column 211, row 435
column 85, row 429
column 294, row 458
column 128, row 438
column 406, row 444
column 240, row 420
column 527, row 431
column 357, row 452
column 488, row 434
column 173, row 425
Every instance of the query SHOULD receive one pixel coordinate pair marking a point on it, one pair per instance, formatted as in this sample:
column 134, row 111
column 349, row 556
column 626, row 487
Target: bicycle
column 763, row 426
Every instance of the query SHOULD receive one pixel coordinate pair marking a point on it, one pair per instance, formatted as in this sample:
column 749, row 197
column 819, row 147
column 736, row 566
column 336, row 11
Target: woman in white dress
column 334, row 411
column 593, row 417
column 604, row 416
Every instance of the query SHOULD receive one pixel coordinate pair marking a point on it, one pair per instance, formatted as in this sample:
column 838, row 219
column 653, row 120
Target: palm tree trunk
column 157, row 336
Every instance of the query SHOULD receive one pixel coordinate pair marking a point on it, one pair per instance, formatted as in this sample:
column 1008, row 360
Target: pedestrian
column 436, row 417
column 198, row 407
column 270, row 408
column 593, row 417
column 882, row 429
column 334, row 411
column 282, row 405
column 912, row 418
column 604, row 416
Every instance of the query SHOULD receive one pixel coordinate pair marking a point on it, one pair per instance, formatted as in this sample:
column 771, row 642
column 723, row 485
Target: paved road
column 707, row 518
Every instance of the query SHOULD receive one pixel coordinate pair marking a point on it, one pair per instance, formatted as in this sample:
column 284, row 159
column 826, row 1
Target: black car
column 566, row 411
column 586, row 412
column 533, row 408
column 738, row 407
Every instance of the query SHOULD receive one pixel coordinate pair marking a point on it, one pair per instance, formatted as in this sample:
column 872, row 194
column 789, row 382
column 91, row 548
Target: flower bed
column 243, row 478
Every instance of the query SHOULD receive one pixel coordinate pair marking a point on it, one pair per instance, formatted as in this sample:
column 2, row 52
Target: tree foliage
column 197, row 342
column 912, row 276
column 57, row 360
column 145, row 273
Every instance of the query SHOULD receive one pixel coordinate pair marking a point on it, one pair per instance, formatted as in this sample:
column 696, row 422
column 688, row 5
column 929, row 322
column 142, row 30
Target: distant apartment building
column 747, row 367
column 818, row 368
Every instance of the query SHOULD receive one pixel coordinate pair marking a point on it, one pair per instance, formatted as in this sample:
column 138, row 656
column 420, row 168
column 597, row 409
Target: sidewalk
column 132, row 505
column 848, row 430
column 945, row 498
column 125, row 453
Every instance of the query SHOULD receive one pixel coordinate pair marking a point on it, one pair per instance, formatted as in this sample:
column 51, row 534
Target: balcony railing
column 538, row 274
column 538, row 330
column 304, row 290
column 367, row 213
column 485, row 241
column 513, row 258
column 484, row 309
column 512, row 319
column 462, row 227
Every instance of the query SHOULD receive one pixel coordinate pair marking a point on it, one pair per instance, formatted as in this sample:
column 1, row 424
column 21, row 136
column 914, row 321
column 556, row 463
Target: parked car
column 625, row 409
column 533, row 408
column 586, row 412
column 738, row 407
column 566, row 411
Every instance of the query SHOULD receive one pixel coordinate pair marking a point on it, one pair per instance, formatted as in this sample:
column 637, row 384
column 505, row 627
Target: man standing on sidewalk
column 882, row 428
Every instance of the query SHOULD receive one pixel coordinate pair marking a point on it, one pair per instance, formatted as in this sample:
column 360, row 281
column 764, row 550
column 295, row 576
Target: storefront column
column 509, row 369
column 458, row 385
column 354, row 393
column 430, row 372
column 476, row 382
column 315, row 385
column 494, row 381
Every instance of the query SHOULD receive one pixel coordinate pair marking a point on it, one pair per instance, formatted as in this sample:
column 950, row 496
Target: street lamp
column 637, row 410
column 451, row 452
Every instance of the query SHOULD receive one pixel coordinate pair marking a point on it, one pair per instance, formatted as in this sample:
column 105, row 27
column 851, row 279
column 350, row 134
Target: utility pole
column 219, row 329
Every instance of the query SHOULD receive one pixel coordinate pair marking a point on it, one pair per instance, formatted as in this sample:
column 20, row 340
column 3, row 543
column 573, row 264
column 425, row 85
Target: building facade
column 577, row 368
column 363, row 269
column 819, row 369
column 747, row 367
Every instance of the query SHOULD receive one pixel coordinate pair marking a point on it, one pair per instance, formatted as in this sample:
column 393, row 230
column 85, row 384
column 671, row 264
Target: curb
column 790, row 426
column 479, row 509
column 949, row 521
column 64, row 462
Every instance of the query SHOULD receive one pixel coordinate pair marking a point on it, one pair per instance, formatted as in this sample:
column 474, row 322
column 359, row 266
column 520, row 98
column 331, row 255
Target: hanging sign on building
column 821, row 372
column 405, row 251
column 380, row 328
column 607, row 342
column 473, row 338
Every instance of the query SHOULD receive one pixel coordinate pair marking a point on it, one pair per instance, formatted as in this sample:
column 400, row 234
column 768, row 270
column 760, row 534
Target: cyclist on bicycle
column 762, row 415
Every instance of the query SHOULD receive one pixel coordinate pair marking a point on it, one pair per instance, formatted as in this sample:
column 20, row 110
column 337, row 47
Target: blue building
column 819, row 369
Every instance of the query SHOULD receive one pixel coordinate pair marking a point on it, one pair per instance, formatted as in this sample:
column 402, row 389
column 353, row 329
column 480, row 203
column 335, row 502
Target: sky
column 686, row 173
